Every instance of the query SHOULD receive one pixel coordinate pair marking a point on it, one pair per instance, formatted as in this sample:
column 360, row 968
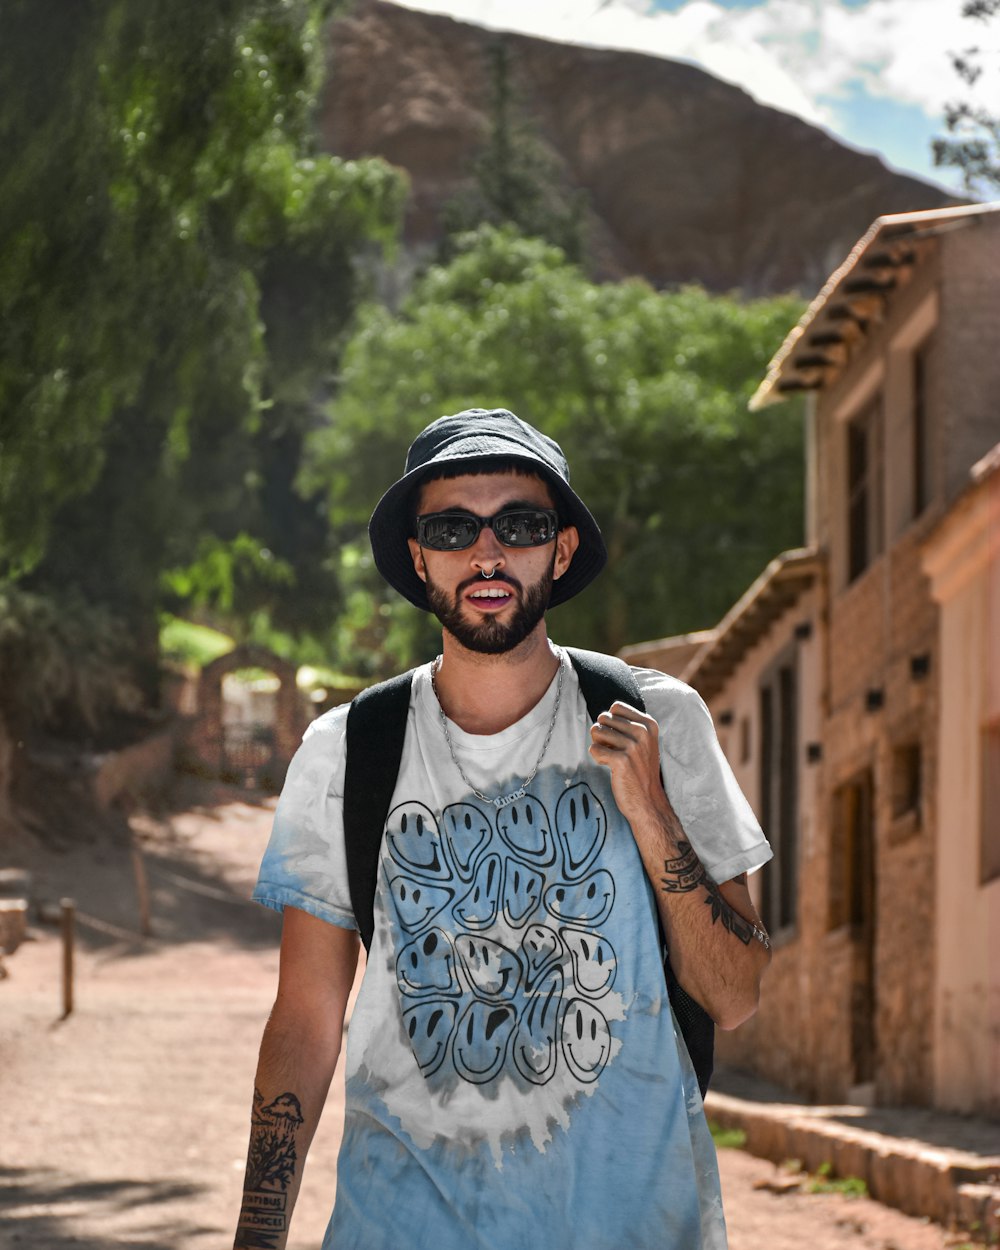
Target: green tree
column 646, row 391
column 973, row 145
column 516, row 180
column 178, row 263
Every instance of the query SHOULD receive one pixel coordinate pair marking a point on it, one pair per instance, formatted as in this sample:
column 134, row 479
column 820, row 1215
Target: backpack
column 376, row 729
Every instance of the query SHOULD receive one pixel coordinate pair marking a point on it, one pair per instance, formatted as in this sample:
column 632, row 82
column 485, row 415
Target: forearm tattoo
column 683, row 874
column 271, row 1162
column 686, row 872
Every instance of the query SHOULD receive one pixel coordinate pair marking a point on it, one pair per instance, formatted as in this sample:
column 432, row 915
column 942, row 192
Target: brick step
column 947, row 1185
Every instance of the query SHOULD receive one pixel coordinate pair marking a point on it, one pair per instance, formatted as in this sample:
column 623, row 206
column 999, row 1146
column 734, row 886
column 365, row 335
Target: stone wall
column 138, row 771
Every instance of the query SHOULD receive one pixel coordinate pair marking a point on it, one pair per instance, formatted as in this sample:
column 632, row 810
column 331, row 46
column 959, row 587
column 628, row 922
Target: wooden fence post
column 68, row 918
column 142, row 890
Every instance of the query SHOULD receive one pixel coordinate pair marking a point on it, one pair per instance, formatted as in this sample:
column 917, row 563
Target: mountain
column 686, row 178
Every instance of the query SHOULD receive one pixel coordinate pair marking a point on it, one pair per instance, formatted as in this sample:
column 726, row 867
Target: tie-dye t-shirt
column 514, row 1076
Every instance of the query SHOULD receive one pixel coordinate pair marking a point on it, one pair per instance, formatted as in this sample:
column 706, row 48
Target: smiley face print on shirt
column 502, row 963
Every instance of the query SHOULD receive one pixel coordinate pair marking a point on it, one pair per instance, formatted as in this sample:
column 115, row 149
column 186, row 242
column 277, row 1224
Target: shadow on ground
column 41, row 1208
column 187, row 857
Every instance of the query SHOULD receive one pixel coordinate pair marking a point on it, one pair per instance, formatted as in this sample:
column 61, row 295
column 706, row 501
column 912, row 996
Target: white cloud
column 797, row 55
column 898, row 49
column 701, row 32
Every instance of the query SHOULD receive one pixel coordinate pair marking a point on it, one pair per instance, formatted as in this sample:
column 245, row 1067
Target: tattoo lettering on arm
column 271, row 1162
column 683, row 874
column 686, row 872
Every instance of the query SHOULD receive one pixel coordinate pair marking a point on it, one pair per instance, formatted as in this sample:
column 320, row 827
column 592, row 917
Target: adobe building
column 962, row 560
column 856, row 685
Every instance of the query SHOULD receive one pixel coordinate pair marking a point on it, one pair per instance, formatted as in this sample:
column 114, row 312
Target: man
column 514, row 1077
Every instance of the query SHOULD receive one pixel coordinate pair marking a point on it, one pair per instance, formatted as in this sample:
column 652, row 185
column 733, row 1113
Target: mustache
column 506, row 579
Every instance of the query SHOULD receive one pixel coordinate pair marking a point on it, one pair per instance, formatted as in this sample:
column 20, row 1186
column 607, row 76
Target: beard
column 492, row 636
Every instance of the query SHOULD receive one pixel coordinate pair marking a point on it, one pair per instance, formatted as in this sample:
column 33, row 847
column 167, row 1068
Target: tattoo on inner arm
column 271, row 1162
column 686, row 872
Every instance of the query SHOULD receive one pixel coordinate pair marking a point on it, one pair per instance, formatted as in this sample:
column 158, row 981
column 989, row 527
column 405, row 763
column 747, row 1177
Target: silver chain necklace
column 502, row 800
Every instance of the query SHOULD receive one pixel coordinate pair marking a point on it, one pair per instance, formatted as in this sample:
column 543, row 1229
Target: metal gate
column 249, row 755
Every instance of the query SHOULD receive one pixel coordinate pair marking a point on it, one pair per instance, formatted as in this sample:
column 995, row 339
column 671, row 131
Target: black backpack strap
column 376, row 730
column 603, row 680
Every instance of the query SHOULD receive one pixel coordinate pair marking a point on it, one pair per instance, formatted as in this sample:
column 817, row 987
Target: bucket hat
column 470, row 438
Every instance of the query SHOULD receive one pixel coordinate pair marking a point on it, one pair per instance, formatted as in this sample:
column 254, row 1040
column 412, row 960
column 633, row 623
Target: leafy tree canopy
column 647, row 393
column 60, row 659
column 973, row 143
column 516, row 180
column 177, row 265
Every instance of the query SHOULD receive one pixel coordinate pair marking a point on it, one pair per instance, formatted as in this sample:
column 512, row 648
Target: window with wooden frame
column 907, row 789
column 864, row 488
column 922, row 363
column 779, row 788
column 852, row 855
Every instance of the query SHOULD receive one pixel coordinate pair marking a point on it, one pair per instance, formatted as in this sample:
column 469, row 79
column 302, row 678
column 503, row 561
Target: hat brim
column 392, row 523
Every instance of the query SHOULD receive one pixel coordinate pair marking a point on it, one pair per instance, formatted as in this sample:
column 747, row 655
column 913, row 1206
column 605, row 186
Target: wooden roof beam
column 864, row 285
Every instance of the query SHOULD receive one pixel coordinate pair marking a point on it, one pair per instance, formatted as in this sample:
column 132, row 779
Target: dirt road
column 125, row 1124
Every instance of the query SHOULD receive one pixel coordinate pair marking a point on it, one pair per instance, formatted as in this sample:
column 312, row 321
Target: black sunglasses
column 515, row 527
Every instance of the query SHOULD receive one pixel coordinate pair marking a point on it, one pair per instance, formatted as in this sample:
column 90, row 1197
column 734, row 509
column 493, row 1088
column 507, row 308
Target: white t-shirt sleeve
column 716, row 817
column 305, row 865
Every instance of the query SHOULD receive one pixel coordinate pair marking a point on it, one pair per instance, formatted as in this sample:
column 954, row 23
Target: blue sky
column 876, row 73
